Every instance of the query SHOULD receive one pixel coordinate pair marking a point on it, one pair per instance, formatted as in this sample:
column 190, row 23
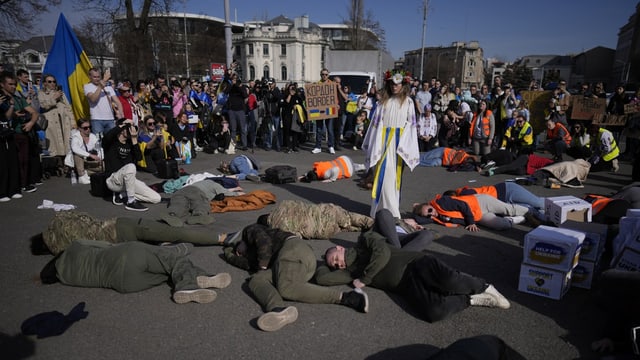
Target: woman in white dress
column 391, row 142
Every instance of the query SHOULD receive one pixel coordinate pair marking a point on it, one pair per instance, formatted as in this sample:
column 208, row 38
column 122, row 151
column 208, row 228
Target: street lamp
column 438, row 64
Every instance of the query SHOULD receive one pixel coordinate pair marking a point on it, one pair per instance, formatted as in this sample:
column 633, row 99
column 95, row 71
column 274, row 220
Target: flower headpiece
column 397, row 76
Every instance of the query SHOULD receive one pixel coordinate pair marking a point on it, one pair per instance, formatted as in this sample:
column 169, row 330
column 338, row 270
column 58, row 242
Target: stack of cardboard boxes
column 552, row 256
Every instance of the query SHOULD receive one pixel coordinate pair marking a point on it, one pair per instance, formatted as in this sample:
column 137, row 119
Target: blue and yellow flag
column 70, row 65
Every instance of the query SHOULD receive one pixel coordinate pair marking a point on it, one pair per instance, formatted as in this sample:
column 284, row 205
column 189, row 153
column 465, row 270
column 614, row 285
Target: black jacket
column 117, row 154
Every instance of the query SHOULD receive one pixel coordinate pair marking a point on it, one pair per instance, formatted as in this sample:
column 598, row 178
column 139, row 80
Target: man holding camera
column 103, row 102
column 121, row 154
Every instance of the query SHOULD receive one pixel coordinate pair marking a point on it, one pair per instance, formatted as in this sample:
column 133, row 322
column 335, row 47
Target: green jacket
column 85, row 264
column 372, row 261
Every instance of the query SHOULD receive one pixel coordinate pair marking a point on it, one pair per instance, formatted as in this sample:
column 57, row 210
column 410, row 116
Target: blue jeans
column 516, row 194
column 102, row 126
column 274, row 129
column 241, row 166
column 432, row 158
column 320, row 126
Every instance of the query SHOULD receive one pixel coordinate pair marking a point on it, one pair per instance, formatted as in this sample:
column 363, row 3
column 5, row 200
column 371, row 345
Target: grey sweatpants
column 493, row 211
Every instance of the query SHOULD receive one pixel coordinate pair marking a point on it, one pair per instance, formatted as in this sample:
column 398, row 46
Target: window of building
column 283, row 50
column 265, row 71
column 252, row 72
column 250, row 50
column 303, row 52
column 238, row 51
column 265, row 49
column 283, row 73
column 34, row 59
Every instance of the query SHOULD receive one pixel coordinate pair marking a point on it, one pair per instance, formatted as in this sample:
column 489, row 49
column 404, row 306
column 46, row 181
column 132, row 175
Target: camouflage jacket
column 316, row 221
column 69, row 226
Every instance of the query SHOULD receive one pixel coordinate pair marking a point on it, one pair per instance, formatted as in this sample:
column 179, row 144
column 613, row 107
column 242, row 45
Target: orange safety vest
column 469, row 199
column 551, row 134
column 452, row 157
column 321, row 167
column 487, row 190
column 598, row 202
column 486, row 125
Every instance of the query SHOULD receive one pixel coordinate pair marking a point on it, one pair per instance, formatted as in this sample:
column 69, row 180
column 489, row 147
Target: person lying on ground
column 282, row 266
column 68, row 226
column 192, row 203
column 509, row 192
column 471, row 210
column 329, row 171
column 435, row 290
column 132, row 267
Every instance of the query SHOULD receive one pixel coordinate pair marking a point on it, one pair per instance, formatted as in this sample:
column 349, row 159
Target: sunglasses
column 85, row 127
column 150, row 123
column 51, row 81
column 324, row 74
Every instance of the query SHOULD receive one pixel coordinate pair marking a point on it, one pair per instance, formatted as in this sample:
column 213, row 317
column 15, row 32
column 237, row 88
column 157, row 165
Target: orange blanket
column 254, row 200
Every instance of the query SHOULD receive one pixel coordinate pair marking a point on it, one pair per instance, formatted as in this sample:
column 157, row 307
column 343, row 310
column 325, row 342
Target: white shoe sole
column 219, row 281
column 201, row 296
column 274, row 321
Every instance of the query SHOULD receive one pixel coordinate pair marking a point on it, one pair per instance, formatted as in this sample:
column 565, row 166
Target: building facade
column 461, row 63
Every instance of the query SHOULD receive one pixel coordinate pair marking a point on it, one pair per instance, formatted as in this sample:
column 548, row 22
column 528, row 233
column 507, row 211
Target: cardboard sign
column 321, row 100
column 631, row 108
column 586, row 108
column 538, row 102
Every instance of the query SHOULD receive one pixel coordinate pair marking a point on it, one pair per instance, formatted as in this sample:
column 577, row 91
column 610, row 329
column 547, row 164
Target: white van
column 356, row 80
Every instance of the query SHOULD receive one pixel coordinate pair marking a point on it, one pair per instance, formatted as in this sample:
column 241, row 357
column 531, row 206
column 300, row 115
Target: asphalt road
column 148, row 325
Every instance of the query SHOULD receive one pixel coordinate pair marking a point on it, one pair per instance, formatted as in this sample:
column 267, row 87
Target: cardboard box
column 629, row 260
column 582, row 275
column 628, row 235
column 553, row 248
column 544, row 282
column 595, row 236
column 562, row 208
column 633, row 213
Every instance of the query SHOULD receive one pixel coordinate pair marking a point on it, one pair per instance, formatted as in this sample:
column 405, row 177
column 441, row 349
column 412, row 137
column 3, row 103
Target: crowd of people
column 403, row 124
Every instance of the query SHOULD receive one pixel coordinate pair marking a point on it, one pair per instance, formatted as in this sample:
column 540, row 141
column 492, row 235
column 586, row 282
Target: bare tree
column 362, row 25
column 131, row 36
column 17, row 17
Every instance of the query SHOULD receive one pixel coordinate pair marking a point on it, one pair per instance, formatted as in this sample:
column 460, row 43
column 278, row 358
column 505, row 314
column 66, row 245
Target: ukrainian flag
column 70, row 65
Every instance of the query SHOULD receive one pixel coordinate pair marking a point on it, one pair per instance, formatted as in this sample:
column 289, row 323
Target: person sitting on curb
column 68, row 226
column 470, row 210
column 282, row 266
column 192, row 203
column 132, row 267
column 435, row 290
column 243, row 167
column 121, row 155
column 329, row 171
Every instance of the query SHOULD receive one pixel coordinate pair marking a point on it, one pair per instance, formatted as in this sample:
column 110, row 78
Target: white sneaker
column 16, row 196
column 84, row 179
column 316, row 150
column 332, row 150
column 275, row 320
column 501, row 301
column 5, row 199
column 198, row 148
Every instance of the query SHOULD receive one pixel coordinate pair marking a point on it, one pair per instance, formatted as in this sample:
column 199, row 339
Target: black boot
column 356, row 299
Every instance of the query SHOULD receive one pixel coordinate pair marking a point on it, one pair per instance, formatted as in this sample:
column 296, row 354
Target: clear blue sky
column 507, row 29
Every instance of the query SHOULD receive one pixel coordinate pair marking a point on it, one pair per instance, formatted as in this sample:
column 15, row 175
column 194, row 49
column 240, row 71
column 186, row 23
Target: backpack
column 281, row 174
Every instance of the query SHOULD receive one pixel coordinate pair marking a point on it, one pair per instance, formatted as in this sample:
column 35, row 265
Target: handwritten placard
column 585, row 108
column 321, row 100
